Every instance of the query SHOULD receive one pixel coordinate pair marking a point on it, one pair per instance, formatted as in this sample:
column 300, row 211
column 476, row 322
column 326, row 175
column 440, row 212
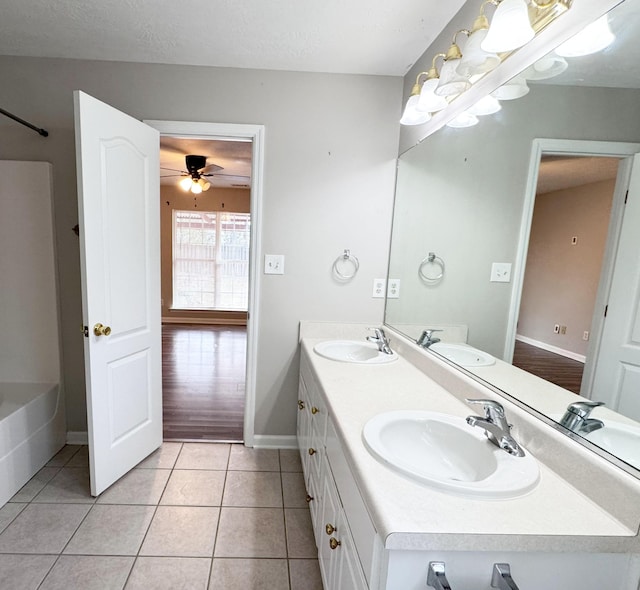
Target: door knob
column 100, row 330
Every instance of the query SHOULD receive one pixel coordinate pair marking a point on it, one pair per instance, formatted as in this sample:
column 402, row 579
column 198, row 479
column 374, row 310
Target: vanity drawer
column 362, row 528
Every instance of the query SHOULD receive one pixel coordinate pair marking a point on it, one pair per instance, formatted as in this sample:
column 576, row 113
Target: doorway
column 209, row 343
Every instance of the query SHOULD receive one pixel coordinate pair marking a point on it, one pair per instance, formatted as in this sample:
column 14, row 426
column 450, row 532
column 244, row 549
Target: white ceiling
column 336, row 36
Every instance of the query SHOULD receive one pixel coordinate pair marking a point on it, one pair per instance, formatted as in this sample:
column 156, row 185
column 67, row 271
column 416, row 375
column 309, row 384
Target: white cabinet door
column 119, row 217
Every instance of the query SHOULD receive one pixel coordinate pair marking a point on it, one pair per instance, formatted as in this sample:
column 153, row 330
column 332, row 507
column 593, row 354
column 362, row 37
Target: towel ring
column 344, row 258
column 431, row 259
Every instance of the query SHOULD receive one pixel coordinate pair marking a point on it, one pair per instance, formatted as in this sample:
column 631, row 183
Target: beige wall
column 215, row 199
column 330, row 147
column 561, row 279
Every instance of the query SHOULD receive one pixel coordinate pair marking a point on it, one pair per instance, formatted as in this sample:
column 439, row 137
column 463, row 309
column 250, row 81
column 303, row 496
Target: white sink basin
column 446, row 453
column 622, row 440
column 463, row 354
column 353, row 351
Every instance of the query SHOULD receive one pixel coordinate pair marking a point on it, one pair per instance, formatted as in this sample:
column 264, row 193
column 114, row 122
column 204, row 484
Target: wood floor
column 203, row 382
column 552, row 367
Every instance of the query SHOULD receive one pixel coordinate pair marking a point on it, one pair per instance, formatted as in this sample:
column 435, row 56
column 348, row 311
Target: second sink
column 353, row 351
column 446, row 453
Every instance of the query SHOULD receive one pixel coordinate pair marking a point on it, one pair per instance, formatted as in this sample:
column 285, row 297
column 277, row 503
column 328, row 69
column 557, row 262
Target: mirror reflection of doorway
column 205, row 227
column 569, row 232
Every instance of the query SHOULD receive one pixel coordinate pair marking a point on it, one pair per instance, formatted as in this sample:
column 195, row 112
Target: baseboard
column 207, row 321
column 261, row 441
column 77, row 438
column 550, row 348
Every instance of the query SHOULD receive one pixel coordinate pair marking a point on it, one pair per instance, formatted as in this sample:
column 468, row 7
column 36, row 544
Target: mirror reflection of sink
column 446, row 453
column 623, row 440
column 353, row 351
column 463, row 354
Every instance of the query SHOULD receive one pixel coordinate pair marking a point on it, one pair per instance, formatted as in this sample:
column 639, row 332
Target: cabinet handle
column 312, row 451
column 334, row 543
column 308, row 498
column 330, row 529
column 300, row 404
column 314, row 410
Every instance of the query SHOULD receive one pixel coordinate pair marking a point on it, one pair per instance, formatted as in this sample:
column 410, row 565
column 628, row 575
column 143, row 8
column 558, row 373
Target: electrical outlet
column 273, row 264
column 563, row 329
column 393, row 289
column 500, row 272
column 585, row 335
column 556, row 329
column 379, row 288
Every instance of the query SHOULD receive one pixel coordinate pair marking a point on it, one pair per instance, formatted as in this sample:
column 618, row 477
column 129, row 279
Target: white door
column 117, row 160
column 617, row 373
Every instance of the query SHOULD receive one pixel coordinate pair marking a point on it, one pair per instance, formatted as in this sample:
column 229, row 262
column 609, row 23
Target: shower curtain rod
column 42, row 132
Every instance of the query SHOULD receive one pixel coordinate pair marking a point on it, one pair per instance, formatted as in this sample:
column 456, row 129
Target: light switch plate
column 393, row 289
column 500, row 272
column 274, row 264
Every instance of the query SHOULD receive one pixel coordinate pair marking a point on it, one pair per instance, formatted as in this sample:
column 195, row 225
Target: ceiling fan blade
column 211, row 168
column 172, row 175
column 231, row 175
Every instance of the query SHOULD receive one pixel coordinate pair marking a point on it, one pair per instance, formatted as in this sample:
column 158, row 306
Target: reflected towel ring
column 344, row 258
column 431, row 259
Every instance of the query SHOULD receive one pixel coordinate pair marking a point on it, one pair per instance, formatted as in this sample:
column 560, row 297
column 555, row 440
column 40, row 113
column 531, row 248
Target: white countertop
column 408, row 515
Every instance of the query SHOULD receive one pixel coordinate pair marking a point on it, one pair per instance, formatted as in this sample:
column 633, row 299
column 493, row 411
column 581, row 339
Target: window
column 210, row 260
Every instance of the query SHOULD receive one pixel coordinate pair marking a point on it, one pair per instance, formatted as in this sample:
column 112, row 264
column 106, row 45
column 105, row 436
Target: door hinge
column 85, row 331
column 626, row 196
column 606, row 308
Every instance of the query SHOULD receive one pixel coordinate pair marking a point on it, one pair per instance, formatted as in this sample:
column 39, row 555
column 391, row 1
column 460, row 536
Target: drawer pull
column 334, row 543
column 312, row 451
column 308, row 498
column 330, row 529
column 314, row 410
column 300, row 404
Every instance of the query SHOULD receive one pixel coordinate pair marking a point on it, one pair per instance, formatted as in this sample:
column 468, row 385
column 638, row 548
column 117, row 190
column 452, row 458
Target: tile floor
column 191, row 516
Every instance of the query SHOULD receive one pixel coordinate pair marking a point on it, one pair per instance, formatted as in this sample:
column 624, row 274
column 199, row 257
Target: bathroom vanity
column 377, row 528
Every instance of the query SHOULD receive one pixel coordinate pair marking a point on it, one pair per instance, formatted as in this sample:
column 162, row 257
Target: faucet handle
column 378, row 333
column 583, row 408
column 492, row 410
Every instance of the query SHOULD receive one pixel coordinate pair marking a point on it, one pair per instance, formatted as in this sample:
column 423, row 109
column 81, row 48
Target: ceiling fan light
column 204, row 184
column 593, row 38
column 185, row 183
column 510, row 27
column 196, row 189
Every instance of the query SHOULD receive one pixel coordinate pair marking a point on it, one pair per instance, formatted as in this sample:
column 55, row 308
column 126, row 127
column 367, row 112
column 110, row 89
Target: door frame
column 572, row 147
column 255, row 134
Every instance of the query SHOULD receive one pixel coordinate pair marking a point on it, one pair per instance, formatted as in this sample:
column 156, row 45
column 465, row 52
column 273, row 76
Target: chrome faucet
column 426, row 339
column 436, row 577
column 381, row 340
column 495, row 425
column 576, row 418
column 501, row 577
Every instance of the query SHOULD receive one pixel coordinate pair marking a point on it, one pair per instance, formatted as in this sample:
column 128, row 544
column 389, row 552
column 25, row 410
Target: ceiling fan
column 194, row 177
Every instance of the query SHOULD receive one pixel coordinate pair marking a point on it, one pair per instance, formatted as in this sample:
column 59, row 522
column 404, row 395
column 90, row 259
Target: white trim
column 205, row 321
column 551, row 348
column 77, row 437
column 255, row 134
column 262, row 441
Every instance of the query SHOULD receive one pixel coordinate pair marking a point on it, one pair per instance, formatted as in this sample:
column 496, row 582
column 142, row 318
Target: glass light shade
column 593, row 38
column 510, row 27
column 485, row 106
column 450, row 81
column 465, row 119
column 411, row 115
column 476, row 60
column 514, row 88
column 196, row 189
column 548, row 67
column 429, row 101
column 185, row 183
column 204, row 184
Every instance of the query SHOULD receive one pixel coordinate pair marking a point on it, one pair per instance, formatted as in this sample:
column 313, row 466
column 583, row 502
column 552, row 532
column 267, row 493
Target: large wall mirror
column 516, row 236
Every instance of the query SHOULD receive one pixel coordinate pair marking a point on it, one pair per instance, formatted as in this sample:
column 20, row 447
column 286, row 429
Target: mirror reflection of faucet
column 576, row 418
column 426, row 339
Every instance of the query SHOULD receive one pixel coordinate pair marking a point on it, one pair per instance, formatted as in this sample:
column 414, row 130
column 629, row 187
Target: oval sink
column 353, row 351
column 463, row 354
column 446, row 453
column 623, row 440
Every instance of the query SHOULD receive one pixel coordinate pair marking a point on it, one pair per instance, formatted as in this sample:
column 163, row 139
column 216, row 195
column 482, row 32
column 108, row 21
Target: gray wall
column 331, row 143
column 466, row 192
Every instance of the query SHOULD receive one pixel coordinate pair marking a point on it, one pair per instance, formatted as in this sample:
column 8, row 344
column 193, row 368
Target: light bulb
column 196, row 189
column 429, row 101
column 451, row 82
column 205, row 185
column 185, row 183
column 411, row 115
column 476, row 60
column 510, row 27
